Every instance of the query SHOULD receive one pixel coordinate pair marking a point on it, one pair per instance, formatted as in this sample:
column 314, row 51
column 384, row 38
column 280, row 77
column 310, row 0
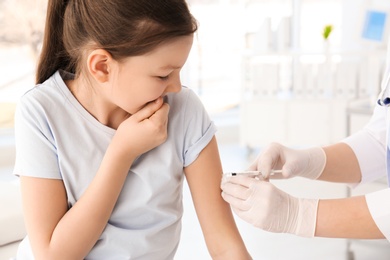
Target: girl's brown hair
column 122, row 27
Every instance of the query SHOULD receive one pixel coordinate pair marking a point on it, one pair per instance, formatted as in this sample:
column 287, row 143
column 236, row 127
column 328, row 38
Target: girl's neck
column 96, row 104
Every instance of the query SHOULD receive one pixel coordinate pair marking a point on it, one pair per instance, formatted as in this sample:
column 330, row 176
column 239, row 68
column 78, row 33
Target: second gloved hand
column 263, row 205
column 308, row 163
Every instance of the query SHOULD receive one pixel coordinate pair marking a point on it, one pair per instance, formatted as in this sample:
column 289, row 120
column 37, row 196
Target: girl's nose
column 174, row 85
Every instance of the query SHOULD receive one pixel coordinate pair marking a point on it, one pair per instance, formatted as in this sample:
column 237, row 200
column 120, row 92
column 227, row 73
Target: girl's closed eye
column 163, row 77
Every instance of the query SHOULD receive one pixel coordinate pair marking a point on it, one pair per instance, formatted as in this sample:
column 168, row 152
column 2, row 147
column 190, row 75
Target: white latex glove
column 308, row 163
column 261, row 204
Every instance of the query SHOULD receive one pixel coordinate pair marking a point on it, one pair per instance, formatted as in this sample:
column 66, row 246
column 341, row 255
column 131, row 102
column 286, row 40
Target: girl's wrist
column 118, row 151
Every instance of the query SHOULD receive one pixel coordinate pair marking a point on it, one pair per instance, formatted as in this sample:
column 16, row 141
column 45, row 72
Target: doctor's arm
column 346, row 218
column 341, row 164
column 361, row 157
column 216, row 219
column 358, row 158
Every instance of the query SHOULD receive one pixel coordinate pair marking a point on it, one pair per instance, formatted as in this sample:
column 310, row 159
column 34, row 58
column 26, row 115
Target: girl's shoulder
column 44, row 100
column 49, row 90
column 185, row 98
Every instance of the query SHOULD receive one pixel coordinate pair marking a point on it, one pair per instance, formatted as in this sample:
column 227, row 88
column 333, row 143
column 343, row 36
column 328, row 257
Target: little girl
column 106, row 137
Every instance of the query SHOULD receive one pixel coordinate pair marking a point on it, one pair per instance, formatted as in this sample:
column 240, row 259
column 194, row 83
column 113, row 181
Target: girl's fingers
column 148, row 110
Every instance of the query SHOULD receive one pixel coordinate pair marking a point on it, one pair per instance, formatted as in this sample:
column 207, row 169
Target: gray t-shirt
column 57, row 138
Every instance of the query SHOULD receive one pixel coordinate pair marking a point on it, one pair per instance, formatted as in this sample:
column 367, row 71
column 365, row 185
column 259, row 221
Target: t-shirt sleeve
column 36, row 154
column 199, row 129
column 369, row 146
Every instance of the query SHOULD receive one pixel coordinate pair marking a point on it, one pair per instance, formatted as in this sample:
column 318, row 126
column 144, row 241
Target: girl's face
column 142, row 79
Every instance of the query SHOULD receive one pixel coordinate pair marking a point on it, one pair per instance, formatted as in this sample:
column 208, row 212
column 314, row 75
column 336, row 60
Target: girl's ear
column 99, row 64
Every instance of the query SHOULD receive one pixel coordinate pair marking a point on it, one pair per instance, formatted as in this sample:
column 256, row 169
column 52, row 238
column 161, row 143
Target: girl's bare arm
column 219, row 229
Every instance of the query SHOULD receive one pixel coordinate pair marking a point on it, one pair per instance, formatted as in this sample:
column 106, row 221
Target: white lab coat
column 371, row 148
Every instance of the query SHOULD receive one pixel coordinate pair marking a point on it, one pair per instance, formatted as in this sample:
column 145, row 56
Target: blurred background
column 300, row 72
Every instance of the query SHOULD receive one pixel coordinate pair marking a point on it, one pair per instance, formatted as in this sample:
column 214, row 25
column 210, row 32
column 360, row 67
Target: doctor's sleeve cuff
column 370, row 153
column 378, row 205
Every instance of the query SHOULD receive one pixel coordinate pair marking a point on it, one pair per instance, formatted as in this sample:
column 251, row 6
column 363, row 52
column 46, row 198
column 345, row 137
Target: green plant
column 327, row 31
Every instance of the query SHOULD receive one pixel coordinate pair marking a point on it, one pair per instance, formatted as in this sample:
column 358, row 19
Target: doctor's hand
column 263, row 205
column 308, row 163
